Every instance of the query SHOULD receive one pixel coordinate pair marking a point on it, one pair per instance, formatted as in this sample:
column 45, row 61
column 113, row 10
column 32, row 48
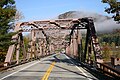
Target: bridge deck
column 54, row 67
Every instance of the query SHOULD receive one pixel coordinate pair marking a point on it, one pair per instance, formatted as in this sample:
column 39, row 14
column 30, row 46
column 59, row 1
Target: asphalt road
column 54, row 67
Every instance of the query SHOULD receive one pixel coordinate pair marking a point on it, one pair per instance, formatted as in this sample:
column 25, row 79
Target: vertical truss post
column 11, row 48
column 29, row 50
column 89, row 51
column 22, row 45
column 81, row 50
column 33, row 44
column 79, row 44
column 92, row 33
column 24, row 50
column 71, row 42
column 86, row 45
column 43, row 48
column 67, row 50
column 71, row 48
column 51, row 48
column 68, row 47
column 18, row 50
column 75, row 45
column 94, row 41
column 40, row 50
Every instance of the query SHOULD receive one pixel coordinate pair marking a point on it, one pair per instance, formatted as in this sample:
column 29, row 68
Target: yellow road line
column 46, row 75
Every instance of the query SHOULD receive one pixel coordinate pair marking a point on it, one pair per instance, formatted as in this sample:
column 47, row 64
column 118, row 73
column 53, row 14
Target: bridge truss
column 48, row 36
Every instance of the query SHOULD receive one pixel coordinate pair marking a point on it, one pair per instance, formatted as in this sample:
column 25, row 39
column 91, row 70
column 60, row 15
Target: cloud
column 107, row 25
column 102, row 23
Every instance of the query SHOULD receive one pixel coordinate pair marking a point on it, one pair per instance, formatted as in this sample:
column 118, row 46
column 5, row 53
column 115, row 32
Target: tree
column 114, row 8
column 7, row 13
column 18, row 15
column 106, row 51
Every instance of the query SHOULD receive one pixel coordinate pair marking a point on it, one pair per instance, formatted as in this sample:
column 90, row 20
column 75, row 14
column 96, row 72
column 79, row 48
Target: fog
column 102, row 23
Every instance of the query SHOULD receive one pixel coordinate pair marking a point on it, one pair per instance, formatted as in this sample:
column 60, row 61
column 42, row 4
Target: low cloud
column 107, row 25
column 102, row 23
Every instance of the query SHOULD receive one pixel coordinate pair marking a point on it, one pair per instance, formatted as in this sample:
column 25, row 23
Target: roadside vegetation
column 110, row 44
column 9, row 15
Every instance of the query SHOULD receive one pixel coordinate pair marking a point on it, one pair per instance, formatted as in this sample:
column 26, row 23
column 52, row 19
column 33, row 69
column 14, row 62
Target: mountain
column 102, row 23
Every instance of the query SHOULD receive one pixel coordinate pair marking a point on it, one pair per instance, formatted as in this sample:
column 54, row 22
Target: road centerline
column 46, row 75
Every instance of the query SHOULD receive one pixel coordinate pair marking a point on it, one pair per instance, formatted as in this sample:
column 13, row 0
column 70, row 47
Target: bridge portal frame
column 72, row 24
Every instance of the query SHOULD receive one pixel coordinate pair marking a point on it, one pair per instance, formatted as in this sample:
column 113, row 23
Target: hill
column 102, row 23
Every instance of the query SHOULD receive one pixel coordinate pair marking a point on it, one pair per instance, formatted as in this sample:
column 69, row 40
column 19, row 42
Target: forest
column 113, row 37
column 110, row 44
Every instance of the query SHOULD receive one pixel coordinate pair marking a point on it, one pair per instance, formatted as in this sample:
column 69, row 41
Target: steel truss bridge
column 51, row 36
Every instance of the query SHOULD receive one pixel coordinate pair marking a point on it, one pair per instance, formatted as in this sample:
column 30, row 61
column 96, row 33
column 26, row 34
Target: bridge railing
column 22, row 61
column 104, row 68
column 14, row 63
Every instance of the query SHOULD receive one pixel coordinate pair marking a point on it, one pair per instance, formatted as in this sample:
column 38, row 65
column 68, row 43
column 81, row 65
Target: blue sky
column 49, row 9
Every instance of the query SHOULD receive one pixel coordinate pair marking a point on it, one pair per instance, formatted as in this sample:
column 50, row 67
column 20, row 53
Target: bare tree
column 18, row 15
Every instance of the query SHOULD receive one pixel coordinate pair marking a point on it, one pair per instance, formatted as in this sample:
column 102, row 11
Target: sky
column 49, row 9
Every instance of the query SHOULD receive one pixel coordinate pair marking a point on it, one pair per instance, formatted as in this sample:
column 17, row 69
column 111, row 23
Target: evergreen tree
column 7, row 13
column 114, row 8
